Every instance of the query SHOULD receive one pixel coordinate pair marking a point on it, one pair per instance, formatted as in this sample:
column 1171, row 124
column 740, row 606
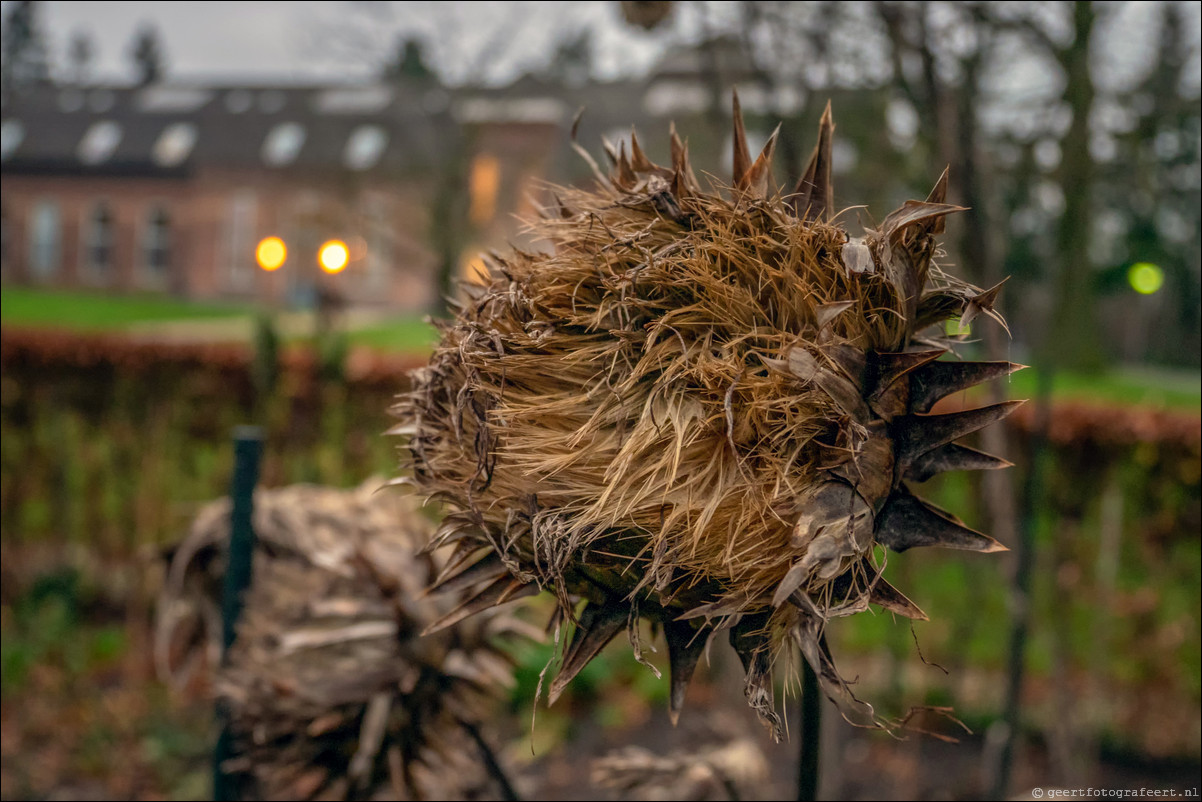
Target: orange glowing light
column 483, row 184
column 474, row 270
column 271, row 253
column 333, row 256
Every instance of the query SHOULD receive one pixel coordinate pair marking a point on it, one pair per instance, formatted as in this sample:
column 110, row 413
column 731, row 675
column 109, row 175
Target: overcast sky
column 330, row 40
column 327, row 39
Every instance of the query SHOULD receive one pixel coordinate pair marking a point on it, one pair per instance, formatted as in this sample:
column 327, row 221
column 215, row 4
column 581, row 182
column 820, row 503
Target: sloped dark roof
column 230, row 123
column 45, row 126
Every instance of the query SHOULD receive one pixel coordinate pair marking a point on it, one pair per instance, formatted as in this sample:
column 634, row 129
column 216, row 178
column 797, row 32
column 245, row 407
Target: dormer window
column 12, row 134
column 99, row 142
column 174, row 145
column 364, row 147
column 283, row 144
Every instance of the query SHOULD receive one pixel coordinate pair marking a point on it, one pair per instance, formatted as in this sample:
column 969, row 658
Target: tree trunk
column 1074, row 327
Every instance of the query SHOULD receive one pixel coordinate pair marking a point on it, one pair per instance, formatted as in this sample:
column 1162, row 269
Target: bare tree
column 23, row 58
column 146, row 52
column 81, row 53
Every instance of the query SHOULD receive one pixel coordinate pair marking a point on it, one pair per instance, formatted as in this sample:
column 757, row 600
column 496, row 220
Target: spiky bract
column 699, row 407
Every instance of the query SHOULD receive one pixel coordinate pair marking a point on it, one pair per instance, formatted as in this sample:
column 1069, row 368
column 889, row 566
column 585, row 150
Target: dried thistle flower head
column 331, row 690
column 702, row 408
column 735, row 769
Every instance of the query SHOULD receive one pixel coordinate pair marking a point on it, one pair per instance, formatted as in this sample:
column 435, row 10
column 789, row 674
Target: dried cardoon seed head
column 701, row 408
column 331, row 691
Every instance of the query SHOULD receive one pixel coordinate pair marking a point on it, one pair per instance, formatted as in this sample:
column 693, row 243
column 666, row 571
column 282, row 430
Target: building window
column 364, row 147
column 45, row 232
column 99, row 142
column 12, row 134
column 483, row 184
column 380, row 250
column 156, row 245
column 98, row 242
column 174, row 145
column 283, row 144
column 241, row 225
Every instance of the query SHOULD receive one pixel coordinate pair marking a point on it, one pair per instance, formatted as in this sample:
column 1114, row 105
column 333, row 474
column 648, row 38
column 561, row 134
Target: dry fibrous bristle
column 331, row 691
column 702, row 407
column 736, row 769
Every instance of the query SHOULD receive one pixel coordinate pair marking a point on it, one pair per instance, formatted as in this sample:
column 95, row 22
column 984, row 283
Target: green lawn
column 409, row 334
column 84, row 311
column 88, row 311
column 1174, row 388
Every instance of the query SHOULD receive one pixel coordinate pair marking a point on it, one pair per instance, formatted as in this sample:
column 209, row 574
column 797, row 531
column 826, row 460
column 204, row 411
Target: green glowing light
column 955, row 328
column 1145, row 277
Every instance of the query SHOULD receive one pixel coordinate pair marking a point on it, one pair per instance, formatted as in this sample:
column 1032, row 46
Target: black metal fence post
column 811, row 734
column 248, row 445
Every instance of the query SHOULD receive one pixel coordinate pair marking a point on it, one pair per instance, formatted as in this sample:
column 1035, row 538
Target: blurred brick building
column 169, row 187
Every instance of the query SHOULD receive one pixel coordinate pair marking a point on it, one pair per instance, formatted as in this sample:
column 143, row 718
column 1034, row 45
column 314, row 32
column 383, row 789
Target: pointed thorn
column 936, row 307
column 826, row 313
column 626, row 176
column 939, row 195
column 487, row 569
column 683, row 181
column 500, row 591
column 742, row 156
column 953, row 457
column 686, row 643
column 639, row 159
column 611, row 152
column 722, row 607
column 988, row 298
column 791, row 582
column 564, row 212
column 936, row 380
column 576, row 122
column 598, row 625
column 907, row 521
column 580, row 151
column 813, row 197
column 465, row 550
column 677, row 147
column 916, row 435
column 886, row 368
column 760, row 174
column 894, row 600
column 983, row 302
column 921, row 215
column 939, row 191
